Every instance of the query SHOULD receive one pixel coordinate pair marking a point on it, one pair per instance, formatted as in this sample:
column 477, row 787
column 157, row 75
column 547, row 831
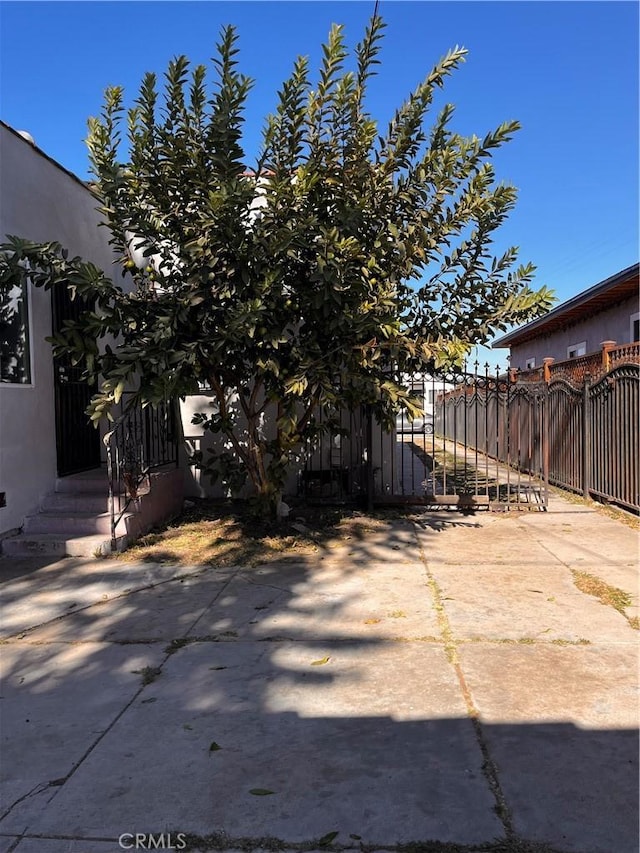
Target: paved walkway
column 442, row 681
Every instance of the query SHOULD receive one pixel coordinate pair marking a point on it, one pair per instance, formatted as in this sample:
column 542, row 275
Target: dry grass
column 222, row 542
column 215, row 534
column 147, row 675
column 606, row 594
column 612, row 596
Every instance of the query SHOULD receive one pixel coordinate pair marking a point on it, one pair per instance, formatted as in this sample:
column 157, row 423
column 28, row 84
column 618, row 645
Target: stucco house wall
column 41, row 201
column 612, row 324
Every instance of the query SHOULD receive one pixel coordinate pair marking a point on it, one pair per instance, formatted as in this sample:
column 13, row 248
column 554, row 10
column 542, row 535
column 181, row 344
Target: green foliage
column 343, row 259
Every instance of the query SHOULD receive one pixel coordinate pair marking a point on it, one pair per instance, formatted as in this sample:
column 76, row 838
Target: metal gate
column 77, row 441
column 481, row 442
column 612, row 415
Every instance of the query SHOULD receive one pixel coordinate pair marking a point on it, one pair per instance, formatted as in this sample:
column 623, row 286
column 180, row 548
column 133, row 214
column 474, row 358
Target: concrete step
column 95, row 486
column 71, row 523
column 89, row 481
column 59, row 545
column 72, row 502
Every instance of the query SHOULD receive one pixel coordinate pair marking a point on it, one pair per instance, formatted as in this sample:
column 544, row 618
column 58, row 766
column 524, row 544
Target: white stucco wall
column 40, row 201
column 198, row 484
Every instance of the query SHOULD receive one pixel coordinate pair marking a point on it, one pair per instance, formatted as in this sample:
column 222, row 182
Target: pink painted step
column 74, row 521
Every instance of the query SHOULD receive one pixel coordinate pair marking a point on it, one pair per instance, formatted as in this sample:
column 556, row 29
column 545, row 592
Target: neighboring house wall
column 613, row 324
column 39, row 201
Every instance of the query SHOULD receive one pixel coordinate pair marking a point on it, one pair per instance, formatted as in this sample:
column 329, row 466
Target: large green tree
column 343, row 260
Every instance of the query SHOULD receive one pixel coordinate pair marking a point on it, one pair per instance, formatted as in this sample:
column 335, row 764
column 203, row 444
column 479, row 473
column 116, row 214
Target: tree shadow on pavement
column 275, row 706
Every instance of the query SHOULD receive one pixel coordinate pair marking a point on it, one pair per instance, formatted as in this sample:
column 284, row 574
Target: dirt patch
column 214, row 534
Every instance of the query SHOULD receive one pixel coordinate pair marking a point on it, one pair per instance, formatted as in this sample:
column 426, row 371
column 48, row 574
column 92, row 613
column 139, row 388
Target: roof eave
column 581, row 300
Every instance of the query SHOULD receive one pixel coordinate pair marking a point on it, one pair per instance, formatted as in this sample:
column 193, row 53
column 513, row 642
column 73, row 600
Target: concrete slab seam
column 37, row 789
column 260, row 583
column 428, row 638
column 59, row 783
column 58, row 837
column 575, row 573
column 489, row 767
column 191, row 627
column 13, row 846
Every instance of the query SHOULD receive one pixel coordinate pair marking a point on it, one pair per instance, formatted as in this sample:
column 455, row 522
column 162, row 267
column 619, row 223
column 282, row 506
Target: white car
column 420, row 424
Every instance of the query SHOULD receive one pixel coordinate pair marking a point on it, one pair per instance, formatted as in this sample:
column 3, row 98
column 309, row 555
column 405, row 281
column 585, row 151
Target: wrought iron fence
column 500, row 426
column 459, row 452
column 578, row 434
column 140, row 441
column 611, row 414
column 567, row 429
column 494, row 440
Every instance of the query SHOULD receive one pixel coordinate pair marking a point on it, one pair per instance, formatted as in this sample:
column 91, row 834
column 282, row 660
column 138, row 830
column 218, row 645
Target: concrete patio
column 440, row 681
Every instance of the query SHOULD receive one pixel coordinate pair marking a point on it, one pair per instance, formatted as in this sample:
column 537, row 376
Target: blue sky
column 568, row 71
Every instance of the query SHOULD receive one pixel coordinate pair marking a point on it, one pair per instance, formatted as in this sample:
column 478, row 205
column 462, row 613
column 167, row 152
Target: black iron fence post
column 369, row 482
column 586, row 435
column 146, row 435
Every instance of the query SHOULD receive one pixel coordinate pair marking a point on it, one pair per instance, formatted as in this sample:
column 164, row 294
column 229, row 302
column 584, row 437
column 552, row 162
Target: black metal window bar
column 140, row 441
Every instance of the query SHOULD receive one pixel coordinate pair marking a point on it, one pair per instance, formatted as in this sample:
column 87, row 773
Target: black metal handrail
column 141, row 440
